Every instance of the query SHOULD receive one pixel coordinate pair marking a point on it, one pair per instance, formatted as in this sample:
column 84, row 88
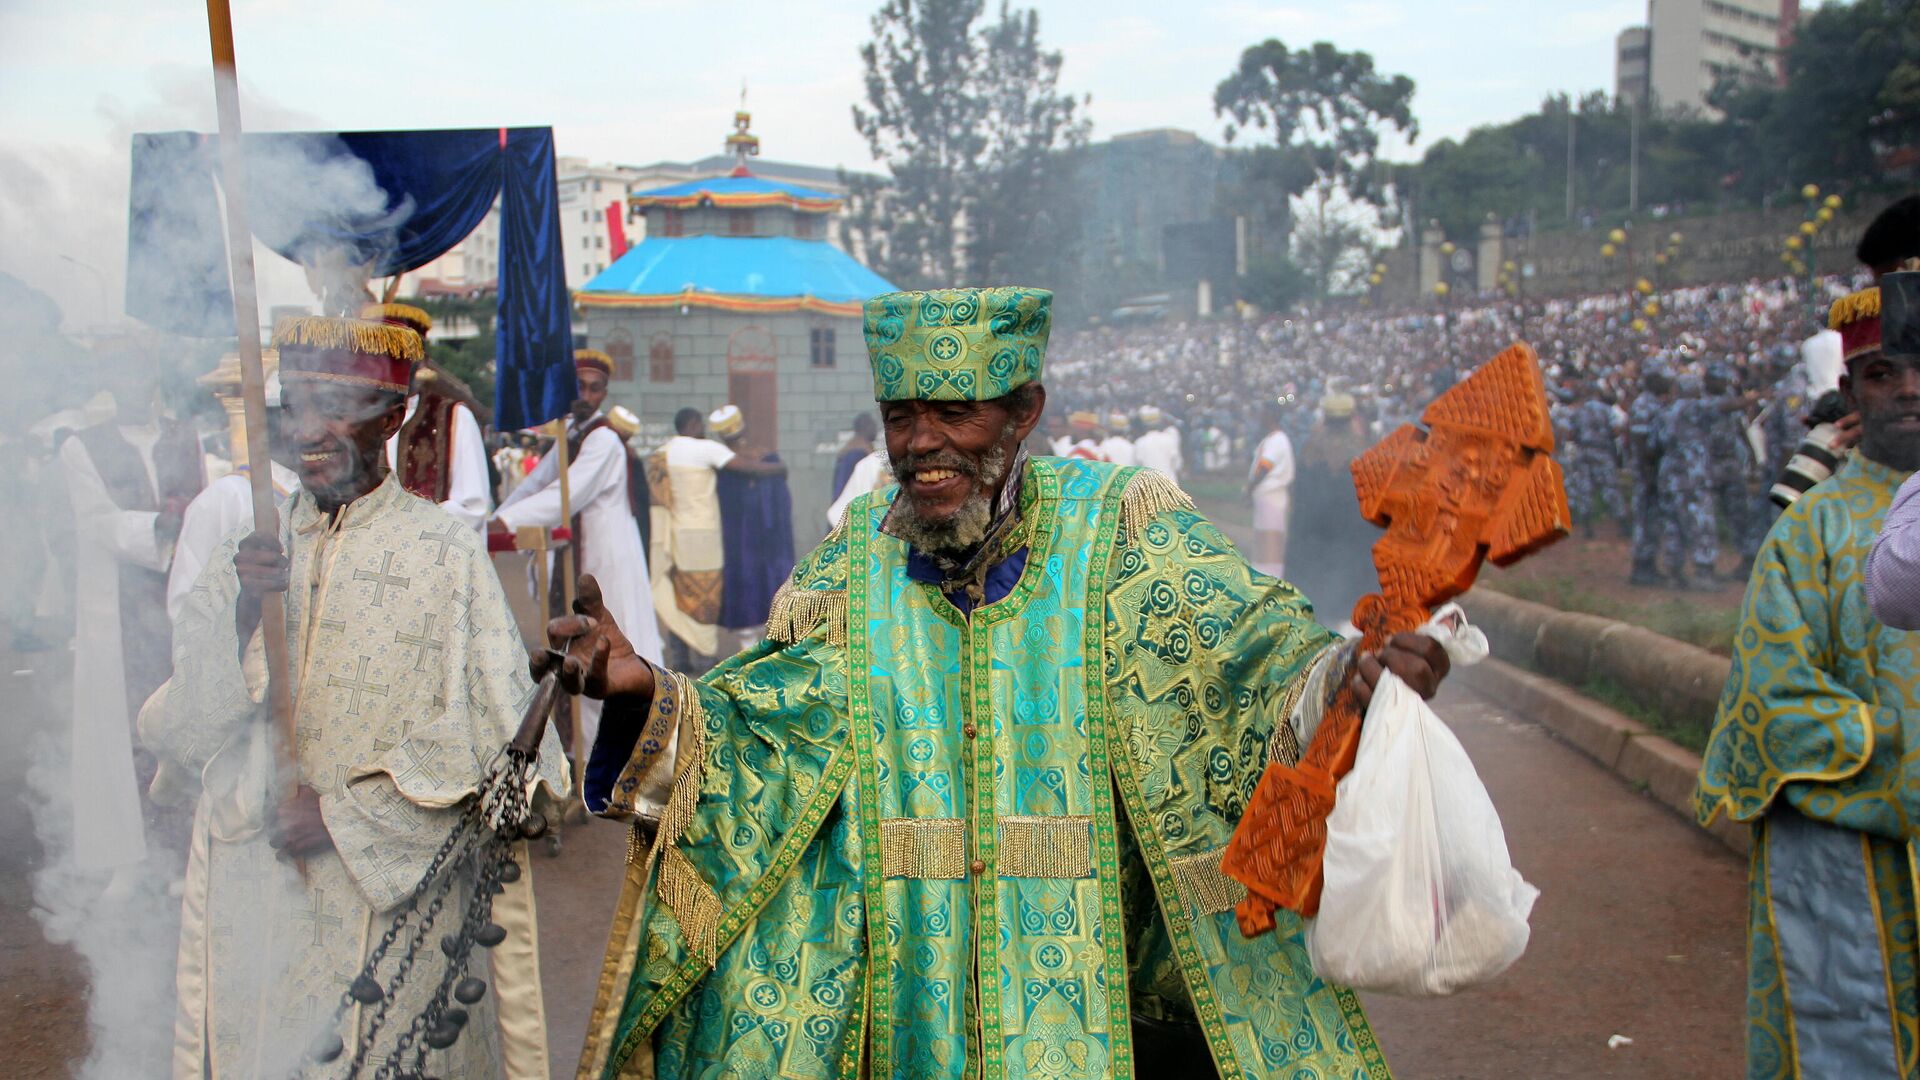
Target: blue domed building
column 736, row 295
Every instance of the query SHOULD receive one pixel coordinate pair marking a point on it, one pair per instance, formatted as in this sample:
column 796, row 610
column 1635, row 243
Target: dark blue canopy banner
column 392, row 201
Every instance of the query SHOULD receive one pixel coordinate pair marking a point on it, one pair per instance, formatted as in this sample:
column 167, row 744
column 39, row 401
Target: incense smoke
column 62, row 273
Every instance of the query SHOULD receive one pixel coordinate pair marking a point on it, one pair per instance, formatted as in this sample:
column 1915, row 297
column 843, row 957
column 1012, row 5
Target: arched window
column 619, row 347
column 660, row 358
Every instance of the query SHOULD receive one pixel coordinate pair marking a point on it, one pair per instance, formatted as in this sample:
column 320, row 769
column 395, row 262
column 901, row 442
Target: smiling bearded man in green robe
column 962, row 813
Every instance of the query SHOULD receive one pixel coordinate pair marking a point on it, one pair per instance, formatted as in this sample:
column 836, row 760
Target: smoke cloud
column 63, row 273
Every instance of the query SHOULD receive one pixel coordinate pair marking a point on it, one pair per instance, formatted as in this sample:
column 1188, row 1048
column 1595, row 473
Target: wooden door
column 753, row 365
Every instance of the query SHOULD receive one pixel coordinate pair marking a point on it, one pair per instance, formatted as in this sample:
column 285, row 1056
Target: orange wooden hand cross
column 1479, row 483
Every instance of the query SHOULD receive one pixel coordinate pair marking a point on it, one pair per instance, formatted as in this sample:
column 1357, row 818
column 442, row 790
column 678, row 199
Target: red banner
column 617, row 229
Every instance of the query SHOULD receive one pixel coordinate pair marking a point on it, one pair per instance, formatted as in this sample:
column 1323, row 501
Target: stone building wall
column 815, row 405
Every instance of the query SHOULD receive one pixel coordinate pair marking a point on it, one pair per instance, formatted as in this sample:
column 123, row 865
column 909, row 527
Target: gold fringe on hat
column 1148, row 495
column 796, row 613
column 593, row 356
column 349, row 335
column 415, row 318
column 1850, row 309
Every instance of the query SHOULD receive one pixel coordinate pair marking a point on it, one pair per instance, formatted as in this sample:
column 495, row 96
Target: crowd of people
column 1723, row 360
column 917, row 652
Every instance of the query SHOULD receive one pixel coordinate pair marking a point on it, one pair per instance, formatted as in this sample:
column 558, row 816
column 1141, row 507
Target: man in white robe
column 1159, row 447
column 607, row 538
column 408, row 676
column 439, row 452
column 226, row 505
column 689, row 555
column 130, row 479
column 1118, row 447
column 1270, row 487
column 870, row 473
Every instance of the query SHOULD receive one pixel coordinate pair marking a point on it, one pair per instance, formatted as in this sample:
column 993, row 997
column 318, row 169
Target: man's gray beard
column 967, row 527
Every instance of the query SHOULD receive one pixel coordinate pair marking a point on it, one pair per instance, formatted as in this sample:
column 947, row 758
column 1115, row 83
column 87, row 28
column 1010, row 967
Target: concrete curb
column 1624, row 746
column 1668, row 678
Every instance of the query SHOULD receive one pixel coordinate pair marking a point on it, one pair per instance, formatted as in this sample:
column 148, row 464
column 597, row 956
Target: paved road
column 1637, row 932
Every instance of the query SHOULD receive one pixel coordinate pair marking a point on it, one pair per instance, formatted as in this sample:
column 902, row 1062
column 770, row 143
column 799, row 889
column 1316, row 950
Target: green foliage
column 1851, row 96
column 1327, row 105
column 968, row 117
column 1275, row 283
column 1695, row 621
column 1607, row 692
column 1852, row 93
column 469, row 359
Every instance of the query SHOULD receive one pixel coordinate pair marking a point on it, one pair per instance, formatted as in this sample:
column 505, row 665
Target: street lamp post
column 1799, row 251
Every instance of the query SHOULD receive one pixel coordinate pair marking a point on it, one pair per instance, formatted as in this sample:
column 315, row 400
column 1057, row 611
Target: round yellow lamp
column 1660, row 259
column 1606, row 251
column 1794, row 244
column 1833, row 202
column 1618, row 236
column 1808, row 228
column 1380, row 268
column 1447, row 248
column 1643, row 285
column 1825, row 216
column 1651, row 307
column 1810, row 192
column 1639, row 326
column 1440, row 288
column 1674, row 239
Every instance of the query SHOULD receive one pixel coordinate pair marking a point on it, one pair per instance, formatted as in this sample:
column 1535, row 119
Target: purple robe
column 756, row 532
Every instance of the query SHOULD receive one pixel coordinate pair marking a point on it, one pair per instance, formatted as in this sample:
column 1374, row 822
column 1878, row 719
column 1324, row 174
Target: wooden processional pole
column 253, row 383
column 567, row 587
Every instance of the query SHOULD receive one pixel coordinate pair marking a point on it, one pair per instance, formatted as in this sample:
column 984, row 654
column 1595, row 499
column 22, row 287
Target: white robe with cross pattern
column 408, row 677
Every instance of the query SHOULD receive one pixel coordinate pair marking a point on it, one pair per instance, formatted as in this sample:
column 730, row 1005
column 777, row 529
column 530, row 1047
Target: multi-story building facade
column 1697, row 43
column 1632, row 53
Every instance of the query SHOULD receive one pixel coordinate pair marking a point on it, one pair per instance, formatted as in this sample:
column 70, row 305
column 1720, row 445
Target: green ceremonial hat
column 957, row 344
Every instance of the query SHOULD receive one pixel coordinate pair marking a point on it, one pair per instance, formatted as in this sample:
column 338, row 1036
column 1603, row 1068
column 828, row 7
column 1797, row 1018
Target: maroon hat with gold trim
column 405, row 315
column 358, row 351
column 593, row 360
column 1857, row 317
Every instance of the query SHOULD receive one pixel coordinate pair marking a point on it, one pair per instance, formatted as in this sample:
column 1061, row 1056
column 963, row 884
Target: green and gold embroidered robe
column 1817, row 743
column 902, row 842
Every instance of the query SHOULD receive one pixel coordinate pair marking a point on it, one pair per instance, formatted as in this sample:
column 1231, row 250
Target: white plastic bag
column 1421, row 897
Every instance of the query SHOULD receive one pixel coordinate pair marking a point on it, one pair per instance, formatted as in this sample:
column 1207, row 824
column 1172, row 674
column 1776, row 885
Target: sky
column 637, row 81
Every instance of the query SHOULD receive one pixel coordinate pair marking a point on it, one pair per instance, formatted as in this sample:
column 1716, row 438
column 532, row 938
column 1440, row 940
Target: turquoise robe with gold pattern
column 1817, row 743
column 902, row 842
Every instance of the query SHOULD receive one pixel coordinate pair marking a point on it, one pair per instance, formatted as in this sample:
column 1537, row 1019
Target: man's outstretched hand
column 600, row 662
column 1419, row 660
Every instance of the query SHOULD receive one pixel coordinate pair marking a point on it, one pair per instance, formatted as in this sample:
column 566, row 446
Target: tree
column 1327, row 104
column 969, row 122
column 469, row 359
column 1331, row 243
column 1022, row 221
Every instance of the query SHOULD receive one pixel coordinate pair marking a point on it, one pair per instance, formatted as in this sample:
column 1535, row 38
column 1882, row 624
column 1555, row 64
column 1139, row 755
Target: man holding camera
column 1815, row 746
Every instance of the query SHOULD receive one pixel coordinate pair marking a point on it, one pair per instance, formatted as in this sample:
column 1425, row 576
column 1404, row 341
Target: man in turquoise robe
column 962, row 813
column 1817, row 745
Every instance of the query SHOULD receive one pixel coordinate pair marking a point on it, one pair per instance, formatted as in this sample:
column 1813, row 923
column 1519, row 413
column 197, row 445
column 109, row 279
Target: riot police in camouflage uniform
column 1689, row 534
column 1594, row 477
column 1644, row 446
column 1731, row 461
